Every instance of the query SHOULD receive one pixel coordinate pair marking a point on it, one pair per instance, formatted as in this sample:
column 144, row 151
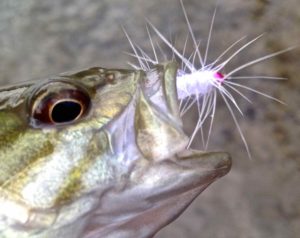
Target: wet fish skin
column 119, row 170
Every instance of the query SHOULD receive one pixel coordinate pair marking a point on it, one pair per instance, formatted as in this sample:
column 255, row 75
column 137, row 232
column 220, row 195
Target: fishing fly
column 199, row 82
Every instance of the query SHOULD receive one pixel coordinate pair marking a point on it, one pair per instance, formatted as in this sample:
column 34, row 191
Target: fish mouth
column 219, row 162
column 163, row 176
column 154, row 128
column 188, row 171
column 155, row 145
column 161, row 88
column 163, row 94
column 162, row 191
column 185, row 169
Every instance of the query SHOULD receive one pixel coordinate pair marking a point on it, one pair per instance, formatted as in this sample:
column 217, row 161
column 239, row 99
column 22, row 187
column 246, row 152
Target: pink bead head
column 220, row 78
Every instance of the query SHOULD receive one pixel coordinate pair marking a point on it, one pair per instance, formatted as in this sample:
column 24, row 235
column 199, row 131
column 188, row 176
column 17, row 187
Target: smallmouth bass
column 98, row 153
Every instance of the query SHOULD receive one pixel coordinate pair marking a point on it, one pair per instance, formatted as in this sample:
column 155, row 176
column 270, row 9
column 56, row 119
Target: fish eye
column 65, row 111
column 58, row 103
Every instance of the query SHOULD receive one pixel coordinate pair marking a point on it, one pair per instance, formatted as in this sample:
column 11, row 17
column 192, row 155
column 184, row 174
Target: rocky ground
column 260, row 197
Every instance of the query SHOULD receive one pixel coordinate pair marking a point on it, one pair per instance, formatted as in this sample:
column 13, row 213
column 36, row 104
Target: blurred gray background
column 259, row 198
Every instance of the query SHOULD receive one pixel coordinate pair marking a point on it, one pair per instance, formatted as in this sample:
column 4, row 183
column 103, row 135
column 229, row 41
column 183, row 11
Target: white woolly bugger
column 201, row 85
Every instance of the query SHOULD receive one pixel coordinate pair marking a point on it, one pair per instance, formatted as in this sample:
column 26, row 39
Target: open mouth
column 173, row 169
column 166, row 177
column 161, row 90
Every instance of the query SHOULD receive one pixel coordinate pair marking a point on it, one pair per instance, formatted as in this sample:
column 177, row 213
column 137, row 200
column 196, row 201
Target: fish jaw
column 163, row 177
column 159, row 192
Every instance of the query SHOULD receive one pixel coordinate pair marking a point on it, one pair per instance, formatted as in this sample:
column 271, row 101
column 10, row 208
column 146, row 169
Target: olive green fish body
column 97, row 153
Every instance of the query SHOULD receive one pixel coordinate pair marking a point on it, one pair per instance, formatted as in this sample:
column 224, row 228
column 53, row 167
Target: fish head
column 98, row 153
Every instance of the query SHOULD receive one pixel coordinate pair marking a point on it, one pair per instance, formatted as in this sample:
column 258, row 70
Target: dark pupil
column 65, row 111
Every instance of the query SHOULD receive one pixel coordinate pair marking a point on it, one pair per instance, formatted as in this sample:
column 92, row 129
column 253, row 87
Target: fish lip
column 216, row 162
column 220, row 160
column 195, row 170
column 166, row 74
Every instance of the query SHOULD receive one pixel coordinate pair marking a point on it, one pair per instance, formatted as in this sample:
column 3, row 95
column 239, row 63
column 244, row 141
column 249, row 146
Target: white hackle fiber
column 201, row 85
